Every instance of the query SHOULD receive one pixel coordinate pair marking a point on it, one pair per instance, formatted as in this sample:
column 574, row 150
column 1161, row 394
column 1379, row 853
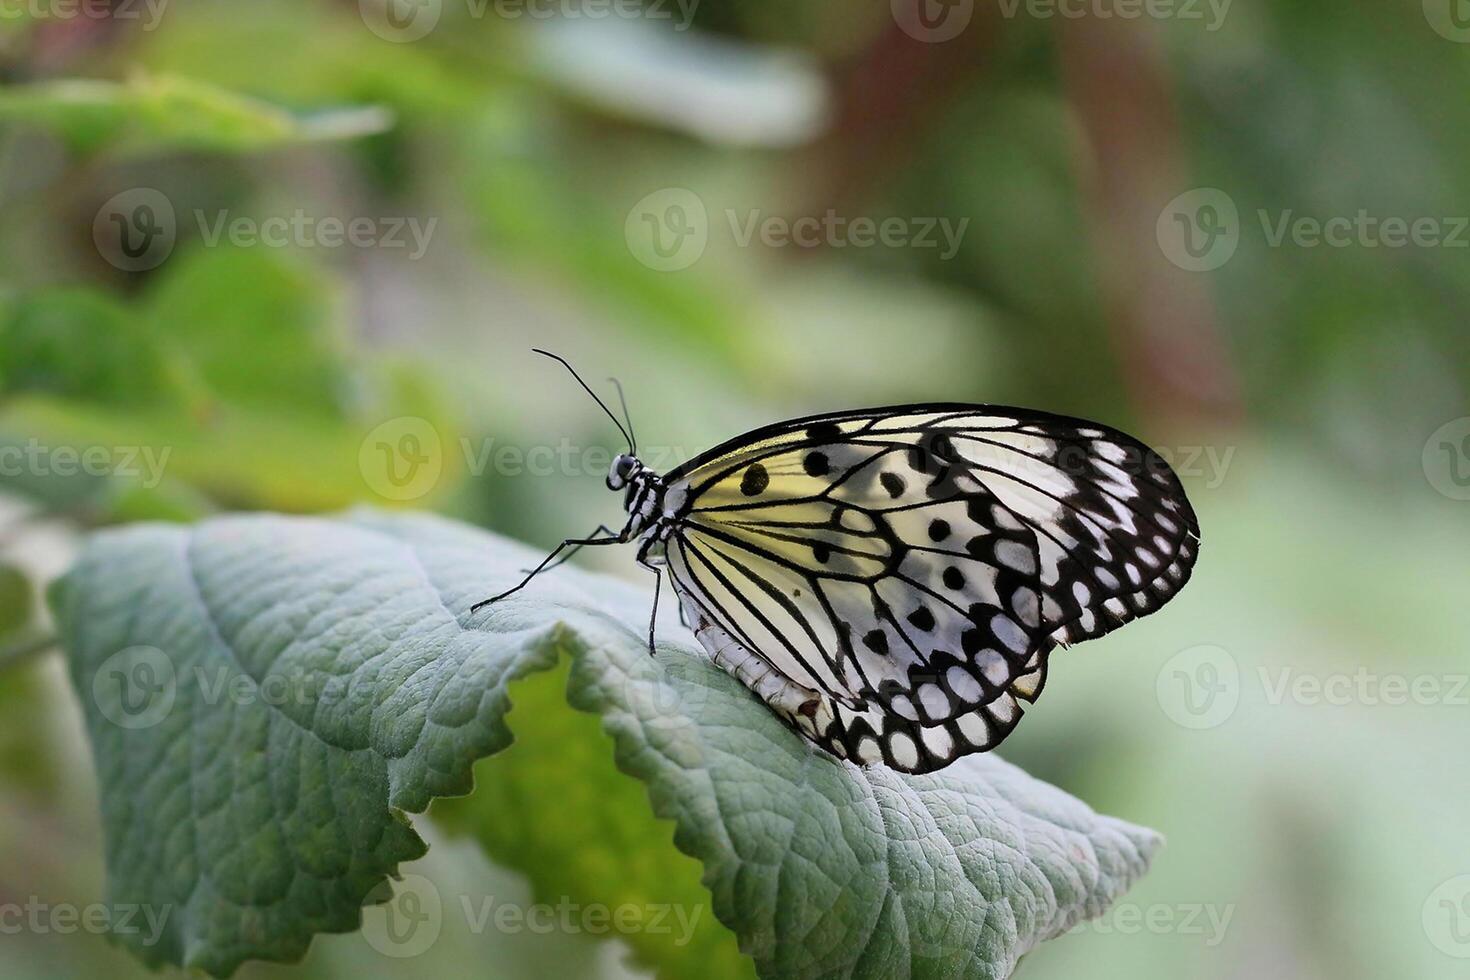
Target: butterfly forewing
column 867, row 565
column 1115, row 533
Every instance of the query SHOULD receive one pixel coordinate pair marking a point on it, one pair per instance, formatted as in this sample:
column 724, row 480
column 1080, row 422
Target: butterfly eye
column 622, row 471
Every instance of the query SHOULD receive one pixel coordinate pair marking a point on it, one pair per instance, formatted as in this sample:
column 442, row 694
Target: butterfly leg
column 658, row 579
column 568, row 543
column 599, row 529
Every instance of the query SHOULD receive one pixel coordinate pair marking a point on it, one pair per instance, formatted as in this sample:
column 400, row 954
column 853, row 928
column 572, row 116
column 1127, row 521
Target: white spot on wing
column 964, row 684
column 1008, row 633
column 1003, row 708
column 975, row 728
column 905, row 752
column 994, row 667
column 1013, row 554
column 938, row 741
column 902, row 706
column 934, row 700
column 1023, row 601
column 1004, row 518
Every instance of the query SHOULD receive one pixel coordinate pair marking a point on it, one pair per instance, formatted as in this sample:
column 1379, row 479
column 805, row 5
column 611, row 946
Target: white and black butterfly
column 892, row 581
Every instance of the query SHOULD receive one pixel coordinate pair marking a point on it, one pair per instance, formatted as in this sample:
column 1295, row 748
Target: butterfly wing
column 869, row 733
column 913, row 567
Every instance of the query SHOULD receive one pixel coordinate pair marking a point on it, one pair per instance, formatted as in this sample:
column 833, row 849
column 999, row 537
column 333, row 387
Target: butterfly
column 891, row 582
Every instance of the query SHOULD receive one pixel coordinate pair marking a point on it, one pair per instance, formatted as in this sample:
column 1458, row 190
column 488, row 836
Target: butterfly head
column 644, row 488
column 625, row 470
column 643, row 493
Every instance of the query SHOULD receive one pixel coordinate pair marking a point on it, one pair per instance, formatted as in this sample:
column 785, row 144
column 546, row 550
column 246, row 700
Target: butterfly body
column 892, row 581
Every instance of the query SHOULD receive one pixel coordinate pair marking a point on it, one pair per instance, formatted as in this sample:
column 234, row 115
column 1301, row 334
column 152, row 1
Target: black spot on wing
column 755, row 481
column 824, row 431
column 921, row 618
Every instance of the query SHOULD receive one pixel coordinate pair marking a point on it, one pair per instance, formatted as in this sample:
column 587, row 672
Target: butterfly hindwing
column 866, row 735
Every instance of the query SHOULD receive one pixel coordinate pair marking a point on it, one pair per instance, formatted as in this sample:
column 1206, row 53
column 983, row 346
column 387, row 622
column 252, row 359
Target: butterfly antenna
column 589, row 391
column 632, row 435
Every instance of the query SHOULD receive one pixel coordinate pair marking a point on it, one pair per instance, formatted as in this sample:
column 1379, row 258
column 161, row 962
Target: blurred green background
column 291, row 255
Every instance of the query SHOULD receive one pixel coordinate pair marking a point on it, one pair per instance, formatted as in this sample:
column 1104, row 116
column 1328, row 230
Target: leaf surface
column 269, row 697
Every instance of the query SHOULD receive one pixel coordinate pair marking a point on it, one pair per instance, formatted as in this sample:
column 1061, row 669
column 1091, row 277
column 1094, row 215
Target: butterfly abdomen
column 797, row 705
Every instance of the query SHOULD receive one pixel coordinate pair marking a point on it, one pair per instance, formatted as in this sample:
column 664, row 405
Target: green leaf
column 248, row 457
column 318, row 55
column 229, row 375
column 310, row 682
column 26, row 754
column 258, row 328
column 79, row 343
column 580, row 827
column 16, row 599
column 32, row 759
column 167, row 112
